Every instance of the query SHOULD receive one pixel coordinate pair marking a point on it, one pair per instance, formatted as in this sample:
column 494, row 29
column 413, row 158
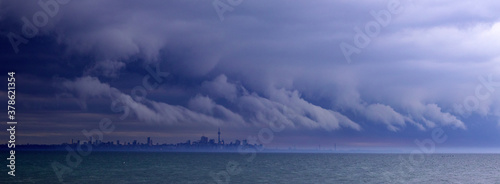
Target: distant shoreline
column 160, row 148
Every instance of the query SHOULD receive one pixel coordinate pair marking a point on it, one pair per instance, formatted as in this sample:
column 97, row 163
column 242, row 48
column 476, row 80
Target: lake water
column 141, row 167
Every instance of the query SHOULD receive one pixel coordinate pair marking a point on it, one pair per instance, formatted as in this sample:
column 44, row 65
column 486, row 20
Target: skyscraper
column 218, row 140
column 204, row 140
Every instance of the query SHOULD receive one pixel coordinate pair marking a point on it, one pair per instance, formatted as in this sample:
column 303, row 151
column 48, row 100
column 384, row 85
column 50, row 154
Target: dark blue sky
column 359, row 74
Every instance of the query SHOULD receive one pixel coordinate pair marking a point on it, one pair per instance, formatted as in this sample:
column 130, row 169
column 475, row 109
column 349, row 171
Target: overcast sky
column 362, row 74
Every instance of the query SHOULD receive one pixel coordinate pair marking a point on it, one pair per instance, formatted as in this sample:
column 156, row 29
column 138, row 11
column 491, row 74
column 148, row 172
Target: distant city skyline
column 149, row 141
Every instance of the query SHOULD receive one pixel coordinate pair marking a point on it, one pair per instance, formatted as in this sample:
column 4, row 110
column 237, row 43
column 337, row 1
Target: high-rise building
column 218, row 140
column 204, row 140
column 149, row 141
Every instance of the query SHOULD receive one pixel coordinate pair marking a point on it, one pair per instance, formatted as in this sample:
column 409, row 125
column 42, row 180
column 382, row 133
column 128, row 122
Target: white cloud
column 147, row 110
column 283, row 107
column 220, row 88
column 386, row 115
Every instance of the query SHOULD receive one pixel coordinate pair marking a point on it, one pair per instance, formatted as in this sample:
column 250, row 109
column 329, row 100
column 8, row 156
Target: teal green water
column 122, row 167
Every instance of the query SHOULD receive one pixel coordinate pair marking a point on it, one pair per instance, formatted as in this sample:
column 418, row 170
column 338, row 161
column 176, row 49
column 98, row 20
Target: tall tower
column 218, row 140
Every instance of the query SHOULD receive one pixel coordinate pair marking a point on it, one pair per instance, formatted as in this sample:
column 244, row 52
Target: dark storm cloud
column 277, row 61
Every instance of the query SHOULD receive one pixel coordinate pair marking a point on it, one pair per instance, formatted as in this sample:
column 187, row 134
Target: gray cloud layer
column 280, row 61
